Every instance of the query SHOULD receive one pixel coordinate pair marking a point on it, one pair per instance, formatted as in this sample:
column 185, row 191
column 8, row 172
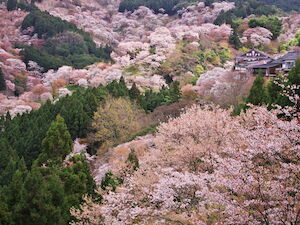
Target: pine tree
column 209, row 3
column 175, row 92
column 294, row 75
column 57, row 143
column 11, row 5
column 235, row 40
column 5, row 213
column 76, row 118
column 134, row 92
column 258, row 93
column 2, row 81
column 40, row 200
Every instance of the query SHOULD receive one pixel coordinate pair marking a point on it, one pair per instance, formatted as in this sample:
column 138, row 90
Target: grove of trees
column 272, row 23
column 244, row 9
column 65, row 44
column 155, row 5
column 36, row 185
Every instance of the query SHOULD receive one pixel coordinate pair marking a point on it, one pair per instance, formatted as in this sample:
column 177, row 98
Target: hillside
column 149, row 112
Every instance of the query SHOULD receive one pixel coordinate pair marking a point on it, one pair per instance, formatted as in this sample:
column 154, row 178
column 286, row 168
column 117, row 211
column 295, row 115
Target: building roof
column 262, row 54
column 287, row 57
column 290, row 56
column 267, row 65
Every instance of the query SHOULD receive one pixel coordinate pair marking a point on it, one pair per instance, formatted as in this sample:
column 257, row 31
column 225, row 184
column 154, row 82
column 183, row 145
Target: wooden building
column 249, row 59
column 281, row 65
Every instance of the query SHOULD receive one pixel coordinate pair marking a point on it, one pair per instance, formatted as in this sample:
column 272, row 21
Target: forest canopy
column 65, row 44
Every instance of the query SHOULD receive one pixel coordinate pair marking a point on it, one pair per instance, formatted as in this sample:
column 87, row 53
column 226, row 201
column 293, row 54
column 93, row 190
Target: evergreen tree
column 11, row 5
column 235, row 40
column 209, row 3
column 5, row 213
column 39, row 203
column 76, row 117
column 175, row 92
column 2, row 81
column 118, row 89
column 7, row 174
column 134, row 92
column 294, row 75
column 57, row 143
column 258, row 93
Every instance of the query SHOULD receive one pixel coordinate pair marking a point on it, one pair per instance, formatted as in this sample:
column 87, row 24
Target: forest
column 64, row 43
column 159, row 129
column 245, row 7
column 34, row 146
column 285, row 5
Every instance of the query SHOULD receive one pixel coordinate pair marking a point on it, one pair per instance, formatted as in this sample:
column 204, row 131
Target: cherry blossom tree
column 208, row 167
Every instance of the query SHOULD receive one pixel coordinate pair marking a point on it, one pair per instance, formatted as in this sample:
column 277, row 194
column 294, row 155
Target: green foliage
column 286, row 5
column 271, row 23
column 57, row 143
column 235, row 40
column 147, row 130
column 244, row 9
column 277, row 93
column 133, row 160
column 25, row 133
column 77, row 181
column 293, row 42
column 150, row 100
column 118, row 89
column 133, row 69
column 11, row 5
column 65, row 43
column 134, row 93
column 155, row 5
column 258, row 93
column 184, row 60
column 110, row 181
column 209, row 2
column 41, row 201
column 43, row 58
column 2, row 81
column 44, row 194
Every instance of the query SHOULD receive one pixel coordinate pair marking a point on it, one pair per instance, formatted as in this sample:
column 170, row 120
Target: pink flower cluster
column 209, row 167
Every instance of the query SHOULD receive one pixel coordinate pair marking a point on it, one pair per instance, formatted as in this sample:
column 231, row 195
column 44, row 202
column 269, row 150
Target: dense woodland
column 285, row 5
column 45, row 137
column 64, row 43
column 245, row 7
column 38, row 185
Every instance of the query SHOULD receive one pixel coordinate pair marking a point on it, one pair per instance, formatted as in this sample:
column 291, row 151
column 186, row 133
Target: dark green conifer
column 258, row 93
column 134, row 92
column 2, row 81
column 57, row 143
column 235, row 40
column 11, row 5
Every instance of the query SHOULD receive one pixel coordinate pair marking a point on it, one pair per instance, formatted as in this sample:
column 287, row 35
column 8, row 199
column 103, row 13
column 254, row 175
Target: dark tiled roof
column 267, row 65
column 289, row 56
column 244, row 55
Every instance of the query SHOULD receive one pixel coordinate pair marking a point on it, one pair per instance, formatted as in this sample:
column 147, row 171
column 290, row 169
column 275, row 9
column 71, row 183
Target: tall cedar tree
column 2, row 81
column 39, row 204
column 57, row 143
column 134, row 93
column 258, row 93
column 11, row 5
column 235, row 40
